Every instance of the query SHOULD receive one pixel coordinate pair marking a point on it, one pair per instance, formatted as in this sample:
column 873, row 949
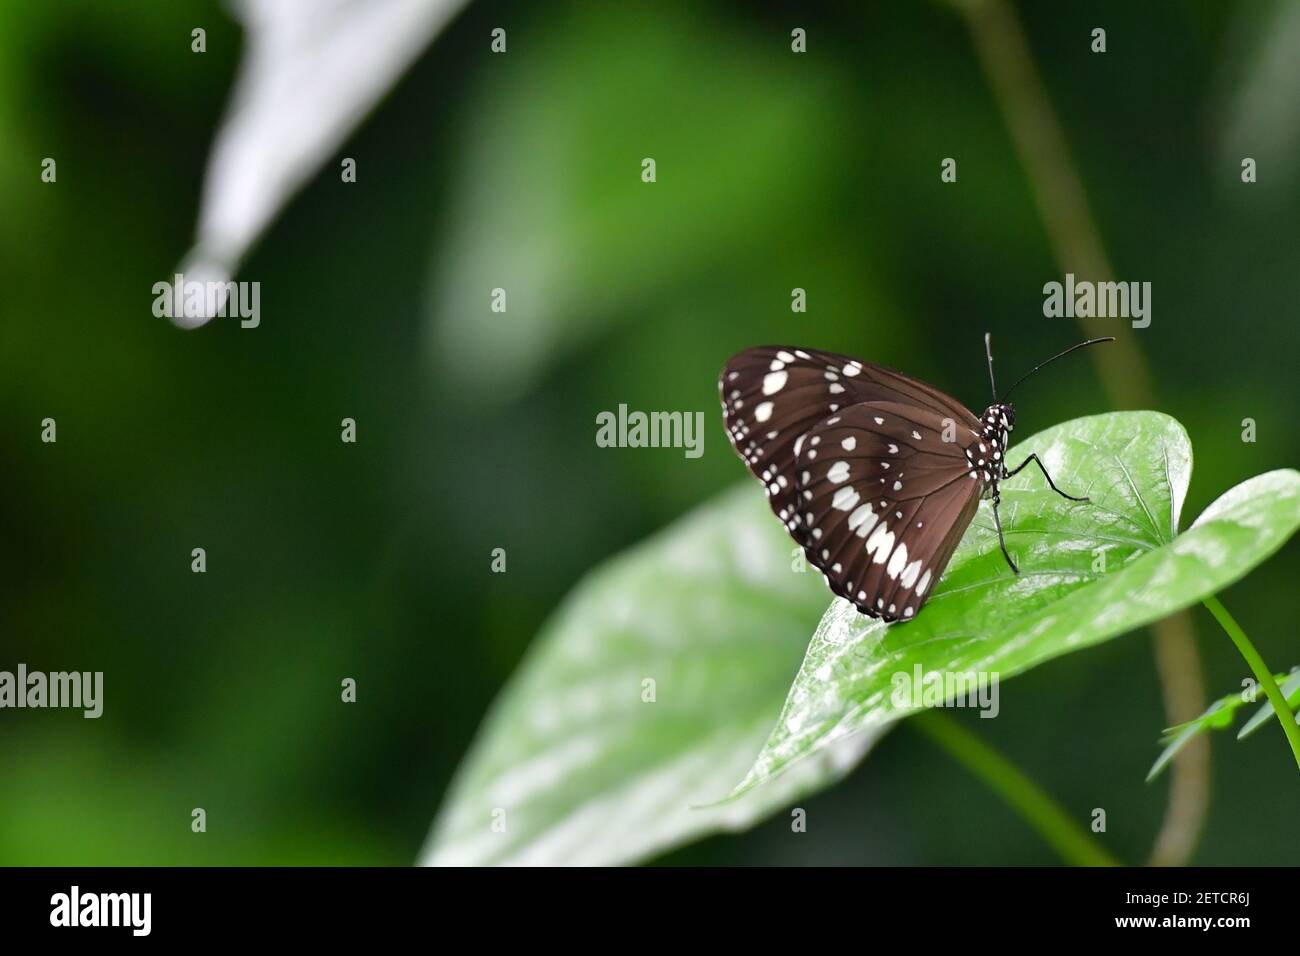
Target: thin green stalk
column 1037, row 809
column 1262, row 673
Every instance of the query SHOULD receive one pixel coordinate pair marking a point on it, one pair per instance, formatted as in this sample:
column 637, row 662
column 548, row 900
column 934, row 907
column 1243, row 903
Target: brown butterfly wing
column 772, row 396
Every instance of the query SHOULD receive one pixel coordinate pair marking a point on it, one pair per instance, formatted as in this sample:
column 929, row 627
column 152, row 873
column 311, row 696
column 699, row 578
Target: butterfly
column 875, row 474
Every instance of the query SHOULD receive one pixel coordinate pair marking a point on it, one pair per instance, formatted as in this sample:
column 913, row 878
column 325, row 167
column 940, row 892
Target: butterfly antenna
column 1072, row 348
column 988, row 350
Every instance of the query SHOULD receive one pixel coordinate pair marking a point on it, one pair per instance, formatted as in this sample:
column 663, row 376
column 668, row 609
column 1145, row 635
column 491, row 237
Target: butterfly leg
column 1035, row 459
column 997, row 521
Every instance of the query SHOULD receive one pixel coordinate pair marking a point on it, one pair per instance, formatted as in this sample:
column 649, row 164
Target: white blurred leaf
column 311, row 70
column 1262, row 111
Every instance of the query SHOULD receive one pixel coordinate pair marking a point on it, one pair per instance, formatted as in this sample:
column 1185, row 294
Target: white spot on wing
column 897, row 561
column 845, row 498
column 862, row 520
column 880, row 543
column 910, row 573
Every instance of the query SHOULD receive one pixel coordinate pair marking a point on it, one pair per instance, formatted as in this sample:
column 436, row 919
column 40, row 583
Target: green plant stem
column 1035, row 807
column 1262, row 673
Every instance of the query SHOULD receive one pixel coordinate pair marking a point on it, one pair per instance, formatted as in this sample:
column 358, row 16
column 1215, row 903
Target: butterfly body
column 986, row 456
column 875, row 474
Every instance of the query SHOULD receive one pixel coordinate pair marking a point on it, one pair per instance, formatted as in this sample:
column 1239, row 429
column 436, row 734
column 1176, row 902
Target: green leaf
column 587, row 772
column 985, row 620
column 1219, row 716
column 1290, row 687
column 1177, row 742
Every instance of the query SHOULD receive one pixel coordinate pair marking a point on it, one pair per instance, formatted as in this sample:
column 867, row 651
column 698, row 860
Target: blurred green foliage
column 372, row 561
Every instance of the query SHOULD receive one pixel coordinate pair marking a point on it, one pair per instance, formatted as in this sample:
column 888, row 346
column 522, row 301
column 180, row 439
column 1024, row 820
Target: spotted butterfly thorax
column 874, row 473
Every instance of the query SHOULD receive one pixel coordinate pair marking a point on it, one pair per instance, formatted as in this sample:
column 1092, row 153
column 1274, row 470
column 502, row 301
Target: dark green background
column 372, row 560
